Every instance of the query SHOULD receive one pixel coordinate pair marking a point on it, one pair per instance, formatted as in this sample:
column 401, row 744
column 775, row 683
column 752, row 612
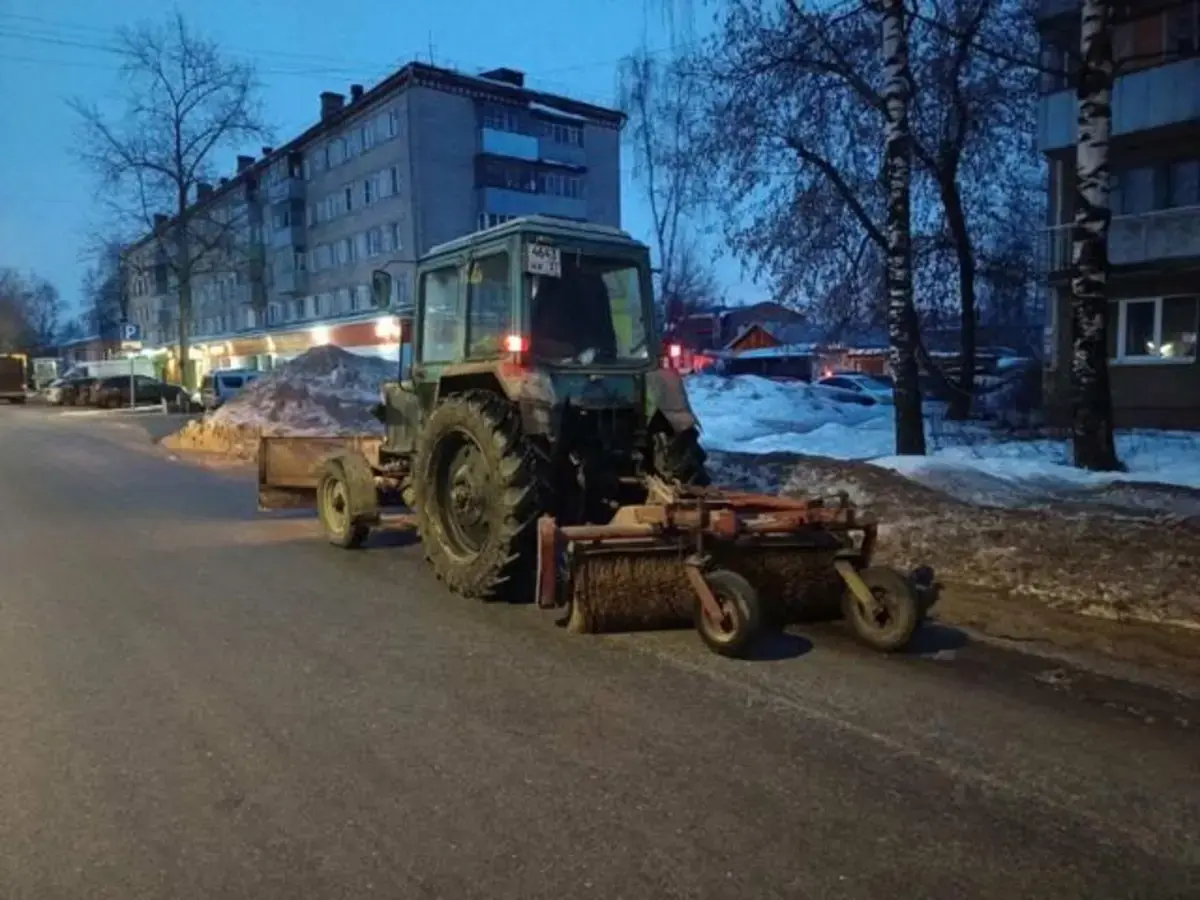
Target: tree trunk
column 963, row 393
column 1091, row 401
column 902, row 314
column 183, row 269
column 185, row 318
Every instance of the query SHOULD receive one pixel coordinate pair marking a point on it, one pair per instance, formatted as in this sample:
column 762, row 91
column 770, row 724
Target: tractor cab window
column 593, row 313
column 489, row 305
column 442, row 336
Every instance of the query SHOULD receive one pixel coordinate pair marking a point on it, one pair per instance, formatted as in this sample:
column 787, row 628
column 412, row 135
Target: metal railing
column 1140, row 238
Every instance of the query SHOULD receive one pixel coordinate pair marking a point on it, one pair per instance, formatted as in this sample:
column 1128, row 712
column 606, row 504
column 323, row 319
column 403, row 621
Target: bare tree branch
column 185, row 103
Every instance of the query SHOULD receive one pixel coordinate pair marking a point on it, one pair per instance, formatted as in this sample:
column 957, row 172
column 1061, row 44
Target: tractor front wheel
column 678, row 457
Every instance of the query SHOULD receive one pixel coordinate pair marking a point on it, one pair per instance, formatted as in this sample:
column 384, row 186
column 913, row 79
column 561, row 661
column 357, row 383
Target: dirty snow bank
column 990, row 512
column 1108, row 556
column 326, row 391
column 747, row 414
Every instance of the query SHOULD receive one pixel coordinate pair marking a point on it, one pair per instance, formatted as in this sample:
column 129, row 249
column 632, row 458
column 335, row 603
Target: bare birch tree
column 186, row 103
column 660, row 101
column 903, row 334
column 1091, row 400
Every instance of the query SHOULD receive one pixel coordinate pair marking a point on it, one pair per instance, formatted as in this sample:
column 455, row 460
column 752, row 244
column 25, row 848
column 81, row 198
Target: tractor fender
column 533, row 393
column 361, row 494
column 666, row 394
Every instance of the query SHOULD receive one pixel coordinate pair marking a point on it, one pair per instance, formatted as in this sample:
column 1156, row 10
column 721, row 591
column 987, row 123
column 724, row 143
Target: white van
column 217, row 387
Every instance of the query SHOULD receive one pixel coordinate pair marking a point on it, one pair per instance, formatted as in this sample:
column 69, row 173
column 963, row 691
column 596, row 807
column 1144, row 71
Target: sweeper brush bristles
column 614, row 591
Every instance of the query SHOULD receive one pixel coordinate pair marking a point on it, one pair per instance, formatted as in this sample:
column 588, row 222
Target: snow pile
column 324, row 392
column 747, row 414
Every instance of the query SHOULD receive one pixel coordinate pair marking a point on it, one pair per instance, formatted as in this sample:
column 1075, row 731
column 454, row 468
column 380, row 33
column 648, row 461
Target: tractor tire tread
column 520, row 486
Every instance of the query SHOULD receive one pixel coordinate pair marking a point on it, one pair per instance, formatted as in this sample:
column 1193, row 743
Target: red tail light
column 515, row 343
column 674, row 351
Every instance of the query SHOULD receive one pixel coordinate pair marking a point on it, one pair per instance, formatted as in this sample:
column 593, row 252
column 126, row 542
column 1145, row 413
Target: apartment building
column 1154, row 243
column 384, row 174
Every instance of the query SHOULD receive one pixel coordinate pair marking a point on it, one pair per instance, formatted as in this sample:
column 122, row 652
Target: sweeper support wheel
column 728, row 614
column 881, row 606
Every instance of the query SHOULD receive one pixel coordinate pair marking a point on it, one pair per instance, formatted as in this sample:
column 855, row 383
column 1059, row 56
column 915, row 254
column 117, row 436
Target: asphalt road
column 197, row 702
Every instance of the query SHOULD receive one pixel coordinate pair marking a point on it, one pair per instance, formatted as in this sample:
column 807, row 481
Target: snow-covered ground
column 747, row 414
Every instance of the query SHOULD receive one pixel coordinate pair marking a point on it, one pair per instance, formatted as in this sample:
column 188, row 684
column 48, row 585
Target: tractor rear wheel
column 478, row 493
column 679, row 457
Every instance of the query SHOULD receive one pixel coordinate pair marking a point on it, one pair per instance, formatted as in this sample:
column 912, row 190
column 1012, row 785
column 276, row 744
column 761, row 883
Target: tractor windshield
column 592, row 312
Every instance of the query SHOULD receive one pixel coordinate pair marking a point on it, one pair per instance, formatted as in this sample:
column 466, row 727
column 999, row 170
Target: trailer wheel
column 741, row 622
column 898, row 617
column 335, row 509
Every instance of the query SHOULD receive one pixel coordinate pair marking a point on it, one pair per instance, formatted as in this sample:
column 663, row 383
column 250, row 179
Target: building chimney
column 267, row 151
column 203, row 190
column 356, row 92
column 508, row 76
column 244, row 162
column 331, row 103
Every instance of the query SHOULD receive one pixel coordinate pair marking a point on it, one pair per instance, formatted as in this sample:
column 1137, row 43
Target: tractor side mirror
column 381, row 289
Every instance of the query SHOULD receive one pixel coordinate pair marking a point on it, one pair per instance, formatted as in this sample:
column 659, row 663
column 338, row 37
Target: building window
column 1183, row 183
column 562, row 133
column 489, row 305
column 501, row 118
column 393, row 229
column 442, row 336
column 343, row 301
column 394, row 179
column 1153, row 329
column 393, row 123
column 348, row 193
column 374, row 241
column 491, row 220
column 1183, row 29
column 362, row 297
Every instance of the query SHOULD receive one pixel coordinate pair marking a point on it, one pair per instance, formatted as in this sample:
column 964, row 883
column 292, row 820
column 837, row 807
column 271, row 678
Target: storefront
column 378, row 336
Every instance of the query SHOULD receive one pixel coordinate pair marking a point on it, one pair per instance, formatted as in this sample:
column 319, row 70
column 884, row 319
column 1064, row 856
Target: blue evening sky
column 50, row 51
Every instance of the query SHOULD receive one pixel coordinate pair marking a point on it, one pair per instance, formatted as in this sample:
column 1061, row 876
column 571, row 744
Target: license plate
column 542, row 259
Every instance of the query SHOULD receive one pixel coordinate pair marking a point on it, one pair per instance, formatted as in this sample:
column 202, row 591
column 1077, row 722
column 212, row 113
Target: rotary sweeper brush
column 543, row 452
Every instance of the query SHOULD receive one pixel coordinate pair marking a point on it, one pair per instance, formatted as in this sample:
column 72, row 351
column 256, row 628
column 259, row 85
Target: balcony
column 509, row 143
column 502, row 201
column 292, row 282
column 291, row 235
column 1152, row 98
column 1169, row 234
column 290, row 188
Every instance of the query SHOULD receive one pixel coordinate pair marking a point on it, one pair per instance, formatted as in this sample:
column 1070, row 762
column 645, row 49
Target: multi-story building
column 1154, row 242
column 385, row 174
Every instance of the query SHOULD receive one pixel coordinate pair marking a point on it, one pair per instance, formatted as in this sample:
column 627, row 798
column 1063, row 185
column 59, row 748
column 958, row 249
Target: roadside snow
column 748, row 414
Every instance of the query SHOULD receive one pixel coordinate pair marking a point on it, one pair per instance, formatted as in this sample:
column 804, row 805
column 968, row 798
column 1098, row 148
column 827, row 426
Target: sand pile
column 327, row 391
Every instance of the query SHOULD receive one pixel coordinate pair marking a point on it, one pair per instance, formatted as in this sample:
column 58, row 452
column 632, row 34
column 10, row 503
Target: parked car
column 113, row 392
column 76, row 391
column 218, row 387
column 877, row 388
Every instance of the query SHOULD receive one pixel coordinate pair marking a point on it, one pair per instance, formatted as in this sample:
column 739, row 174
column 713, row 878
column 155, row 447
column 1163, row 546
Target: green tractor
column 536, row 388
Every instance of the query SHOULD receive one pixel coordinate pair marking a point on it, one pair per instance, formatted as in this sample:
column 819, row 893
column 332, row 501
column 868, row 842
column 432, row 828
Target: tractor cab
column 541, row 291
